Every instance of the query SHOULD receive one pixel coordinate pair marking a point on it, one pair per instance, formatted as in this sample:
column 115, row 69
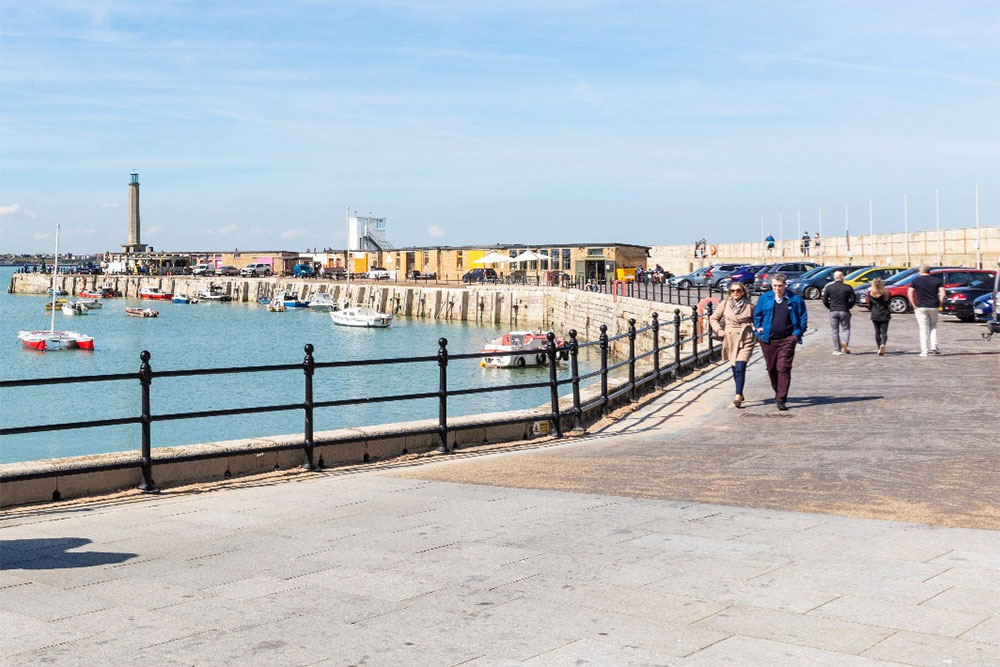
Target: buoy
column 713, row 249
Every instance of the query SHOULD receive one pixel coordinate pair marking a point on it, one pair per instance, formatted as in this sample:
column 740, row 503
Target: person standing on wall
column 878, row 301
column 732, row 322
column 926, row 295
column 770, row 244
column 839, row 298
column 780, row 320
column 805, row 243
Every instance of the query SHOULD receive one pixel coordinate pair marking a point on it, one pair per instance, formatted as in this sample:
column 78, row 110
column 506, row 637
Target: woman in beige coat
column 732, row 323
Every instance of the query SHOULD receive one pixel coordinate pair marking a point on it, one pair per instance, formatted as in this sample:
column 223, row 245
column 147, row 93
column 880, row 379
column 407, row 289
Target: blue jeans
column 739, row 375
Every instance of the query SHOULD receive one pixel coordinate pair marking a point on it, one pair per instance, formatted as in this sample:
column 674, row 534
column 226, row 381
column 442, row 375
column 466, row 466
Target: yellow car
column 865, row 276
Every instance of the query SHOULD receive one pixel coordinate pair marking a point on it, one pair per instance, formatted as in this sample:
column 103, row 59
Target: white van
column 203, row 270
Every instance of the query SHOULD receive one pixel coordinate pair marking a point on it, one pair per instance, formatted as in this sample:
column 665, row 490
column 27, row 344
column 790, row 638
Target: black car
column 480, row 276
column 958, row 300
column 791, row 270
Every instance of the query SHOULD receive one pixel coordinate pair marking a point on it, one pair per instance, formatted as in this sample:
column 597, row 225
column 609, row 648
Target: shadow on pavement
column 811, row 401
column 52, row 554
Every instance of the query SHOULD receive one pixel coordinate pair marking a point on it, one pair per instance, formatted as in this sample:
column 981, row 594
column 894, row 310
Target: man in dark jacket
column 779, row 320
column 839, row 298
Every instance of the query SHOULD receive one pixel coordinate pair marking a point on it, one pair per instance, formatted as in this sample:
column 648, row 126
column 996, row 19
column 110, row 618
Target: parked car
column 689, row 280
column 811, row 283
column 985, row 306
column 870, row 273
column 303, row 271
column 958, row 301
column 718, row 273
column 377, row 273
column 227, row 271
column 413, row 274
column 203, row 270
column 762, row 281
column 254, row 270
column 744, row 274
column 899, row 302
column 480, row 276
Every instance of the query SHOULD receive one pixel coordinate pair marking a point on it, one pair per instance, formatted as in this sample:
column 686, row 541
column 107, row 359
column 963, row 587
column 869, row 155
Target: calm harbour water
column 212, row 335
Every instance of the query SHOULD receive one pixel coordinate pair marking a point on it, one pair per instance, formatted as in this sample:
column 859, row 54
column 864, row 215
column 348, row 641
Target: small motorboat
column 154, row 293
column 361, row 316
column 213, row 293
column 55, row 303
column 184, row 298
column 531, row 344
column 322, row 301
column 141, row 312
column 90, row 304
column 74, row 308
column 57, row 291
column 276, row 306
column 97, row 293
column 292, row 301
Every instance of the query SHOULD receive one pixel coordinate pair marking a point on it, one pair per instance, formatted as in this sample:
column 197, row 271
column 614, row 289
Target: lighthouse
column 134, row 245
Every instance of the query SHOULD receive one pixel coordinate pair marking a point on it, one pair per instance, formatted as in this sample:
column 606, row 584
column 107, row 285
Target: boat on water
column 55, row 303
column 184, row 298
column 276, row 306
column 361, row 316
column 54, row 290
column 74, row 308
column 90, row 304
column 213, row 293
column 322, row 301
column 141, row 312
column 154, row 293
column 97, row 293
column 531, row 346
column 292, row 301
column 52, row 339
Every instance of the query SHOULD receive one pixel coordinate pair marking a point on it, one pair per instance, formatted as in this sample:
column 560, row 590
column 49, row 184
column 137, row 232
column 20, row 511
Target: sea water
column 216, row 335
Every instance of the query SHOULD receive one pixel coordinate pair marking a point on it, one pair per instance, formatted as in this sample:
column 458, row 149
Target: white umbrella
column 492, row 258
column 527, row 256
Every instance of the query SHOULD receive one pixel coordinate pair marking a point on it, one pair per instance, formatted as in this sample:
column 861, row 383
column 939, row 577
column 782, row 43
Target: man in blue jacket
column 780, row 320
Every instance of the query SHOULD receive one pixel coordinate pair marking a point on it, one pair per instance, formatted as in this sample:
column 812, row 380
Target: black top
column 839, row 296
column 880, row 308
column 926, row 288
column 781, row 321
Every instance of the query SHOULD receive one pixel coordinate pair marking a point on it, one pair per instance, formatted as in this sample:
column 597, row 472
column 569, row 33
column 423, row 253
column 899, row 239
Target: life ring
column 540, row 358
column 700, row 324
column 713, row 250
column 519, row 362
column 615, row 288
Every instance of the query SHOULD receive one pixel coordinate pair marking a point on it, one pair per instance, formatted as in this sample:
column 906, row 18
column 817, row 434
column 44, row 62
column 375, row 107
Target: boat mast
column 55, row 272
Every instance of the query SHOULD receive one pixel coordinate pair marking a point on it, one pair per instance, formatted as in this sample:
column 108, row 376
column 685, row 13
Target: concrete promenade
column 858, row 528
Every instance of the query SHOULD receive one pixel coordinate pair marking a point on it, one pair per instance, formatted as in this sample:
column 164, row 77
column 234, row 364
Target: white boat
column 322, row 301
column 74, row 308
column 530, row 344
column 90, row 304
column 52, row 339
column 292, row 301
column 213, row 293
column 276, row 305
column 184, row 298
column 142, row 312
column 361, row 316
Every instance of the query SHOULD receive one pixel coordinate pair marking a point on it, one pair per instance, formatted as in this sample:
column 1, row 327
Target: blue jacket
column 764, row 311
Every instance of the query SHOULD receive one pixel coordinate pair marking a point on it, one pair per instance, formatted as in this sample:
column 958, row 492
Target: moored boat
column 55, row 303
column 361, row 316
column 276, row 306
column 97, row 293
column 530, row 345
column 154, row 293
column 292, row 301
column 141, row 312
column 90, row 304
column 184, row 298
column 74, row 308
column 213, row 293
column 59, row 292
column 322, row 301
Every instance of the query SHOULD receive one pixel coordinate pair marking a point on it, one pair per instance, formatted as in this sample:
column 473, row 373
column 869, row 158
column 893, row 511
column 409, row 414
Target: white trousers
column 927, row 326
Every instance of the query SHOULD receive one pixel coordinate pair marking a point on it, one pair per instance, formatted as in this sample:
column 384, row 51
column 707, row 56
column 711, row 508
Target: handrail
column 551, row 352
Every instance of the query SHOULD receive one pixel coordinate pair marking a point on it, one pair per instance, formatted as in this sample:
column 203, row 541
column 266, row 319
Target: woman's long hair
column 878, row 289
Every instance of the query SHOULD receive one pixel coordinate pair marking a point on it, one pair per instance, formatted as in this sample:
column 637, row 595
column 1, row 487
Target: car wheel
column 812, row 292
column 898, row 304
column 684, row 284
column 966, row 318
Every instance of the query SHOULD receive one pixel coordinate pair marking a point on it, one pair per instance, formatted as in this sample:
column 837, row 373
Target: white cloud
column 10, row 209
column 109, row 204
column 41, row 236
column 293, row 233
column 154, row 230
column 82, row 231
column 29, row 214
column 224, row 231
column 435, row 231
column 260, row 231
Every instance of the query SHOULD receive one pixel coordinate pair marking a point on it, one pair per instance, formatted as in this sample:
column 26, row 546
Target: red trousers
column 778, row 356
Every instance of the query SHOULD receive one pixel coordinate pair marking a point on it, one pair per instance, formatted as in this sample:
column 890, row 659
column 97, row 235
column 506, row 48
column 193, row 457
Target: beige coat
column 737, row 325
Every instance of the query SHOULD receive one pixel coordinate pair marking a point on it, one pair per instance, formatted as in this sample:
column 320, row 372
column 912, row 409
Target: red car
column 900, row 303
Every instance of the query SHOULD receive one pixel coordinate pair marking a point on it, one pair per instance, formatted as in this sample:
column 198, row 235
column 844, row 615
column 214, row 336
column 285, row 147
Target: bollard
column 443, row 395
column 707, row 328
column 574, row 369
column 604, row 368
column 677, row 341
column 656, row 348
column 631, row 359
column 308, row 368
column 553, row 383
column 694, row 335
column 145, row 380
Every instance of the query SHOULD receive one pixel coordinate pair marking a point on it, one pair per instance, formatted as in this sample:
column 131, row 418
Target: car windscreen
column 818, row 272
column 857, row 273
column 901, row 278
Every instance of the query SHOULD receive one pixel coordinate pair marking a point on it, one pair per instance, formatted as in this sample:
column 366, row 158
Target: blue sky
column 254, row 125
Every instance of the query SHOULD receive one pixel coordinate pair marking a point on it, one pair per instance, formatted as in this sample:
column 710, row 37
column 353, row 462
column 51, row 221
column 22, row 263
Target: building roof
column 500, row 246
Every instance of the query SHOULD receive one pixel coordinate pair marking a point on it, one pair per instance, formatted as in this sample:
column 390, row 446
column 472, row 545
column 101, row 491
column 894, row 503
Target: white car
column 256, row 270
column 377, row 273
column 203, row 270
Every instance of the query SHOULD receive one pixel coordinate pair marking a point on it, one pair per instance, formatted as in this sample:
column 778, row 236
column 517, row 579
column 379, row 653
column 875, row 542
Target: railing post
column 308, row 368
column 145, row 380
column 443, row 395
column 553, row 383
column 631, row 359
column 694, row 335
column 604, row 368
column 677, row 341
column 706, row 326
column 656, row 348
column 574, row 369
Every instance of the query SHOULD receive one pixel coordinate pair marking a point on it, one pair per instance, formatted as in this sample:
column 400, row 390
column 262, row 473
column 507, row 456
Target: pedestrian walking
column 926, row 295
column 839, row 298
column 732, row 323
column 805, row 243
column 780, row 320
column 878, row 301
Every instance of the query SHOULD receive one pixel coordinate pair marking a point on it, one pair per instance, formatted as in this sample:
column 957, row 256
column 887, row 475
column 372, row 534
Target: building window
column 592, row 252
column 460, row 258
column 554, row 258
column 426, row 259
column 567, row 254
column 544, row 262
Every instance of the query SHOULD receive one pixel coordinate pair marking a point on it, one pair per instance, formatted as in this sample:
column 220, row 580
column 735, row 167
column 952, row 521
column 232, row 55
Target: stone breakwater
column 513, row 306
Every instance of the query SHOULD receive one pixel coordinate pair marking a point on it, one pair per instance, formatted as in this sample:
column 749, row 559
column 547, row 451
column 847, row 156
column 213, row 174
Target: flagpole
column 937, row 222
column 781, row 235
column 847, row 234
column 822, row 244
column 979, row 256
column 871, row 233
column 906, row 230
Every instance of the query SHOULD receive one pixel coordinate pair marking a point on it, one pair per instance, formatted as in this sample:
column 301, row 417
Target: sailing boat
column 52, row 339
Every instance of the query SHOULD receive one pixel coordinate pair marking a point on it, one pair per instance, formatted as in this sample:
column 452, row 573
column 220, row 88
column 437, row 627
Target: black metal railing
column 642, row 375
